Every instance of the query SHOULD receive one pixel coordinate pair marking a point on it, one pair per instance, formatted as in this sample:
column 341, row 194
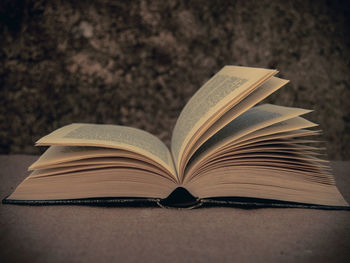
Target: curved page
column 112, row 136
column 252, row 120
column 211, row 101
column 256, row 96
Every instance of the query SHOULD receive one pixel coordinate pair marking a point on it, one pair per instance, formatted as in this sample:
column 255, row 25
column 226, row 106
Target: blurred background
column 137, row 63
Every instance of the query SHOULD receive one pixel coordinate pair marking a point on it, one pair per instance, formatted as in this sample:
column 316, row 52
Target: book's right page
column 260, row 155
column 217, row 96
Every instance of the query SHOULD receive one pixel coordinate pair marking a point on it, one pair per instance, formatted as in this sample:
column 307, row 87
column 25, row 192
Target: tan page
column 112, row 136
column 63, row 155
column 254, row 119
column 112, row 162
column 265, row 183
column 256, row 96
column 284, row 135
column 293, row 124
column 212, row 100
column 109, row 182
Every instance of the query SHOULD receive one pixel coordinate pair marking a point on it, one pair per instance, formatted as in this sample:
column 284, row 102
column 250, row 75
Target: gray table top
column 103, row 234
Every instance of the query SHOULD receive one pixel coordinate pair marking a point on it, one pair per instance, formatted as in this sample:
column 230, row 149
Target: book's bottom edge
column 256, row 203
column 107, row 201
column 235, row 202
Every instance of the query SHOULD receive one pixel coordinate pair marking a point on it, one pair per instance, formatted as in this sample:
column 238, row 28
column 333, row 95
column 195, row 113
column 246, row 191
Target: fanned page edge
column 251, row 77
column 263, row 91
column 58, row 137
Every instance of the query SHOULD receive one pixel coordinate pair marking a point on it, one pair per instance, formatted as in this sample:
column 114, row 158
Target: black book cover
column 179, row 198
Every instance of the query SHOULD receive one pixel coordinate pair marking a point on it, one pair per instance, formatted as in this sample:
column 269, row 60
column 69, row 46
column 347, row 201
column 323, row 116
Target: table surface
column 220, row 234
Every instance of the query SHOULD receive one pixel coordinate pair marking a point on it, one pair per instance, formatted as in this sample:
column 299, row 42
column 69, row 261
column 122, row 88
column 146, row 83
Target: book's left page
column 91, row 161
column 112, row 136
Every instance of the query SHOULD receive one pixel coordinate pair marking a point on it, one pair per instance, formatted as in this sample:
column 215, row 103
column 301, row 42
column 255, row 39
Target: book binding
column 234, row 202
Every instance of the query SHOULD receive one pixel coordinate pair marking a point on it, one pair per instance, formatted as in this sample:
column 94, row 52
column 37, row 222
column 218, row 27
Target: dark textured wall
column 137, row 62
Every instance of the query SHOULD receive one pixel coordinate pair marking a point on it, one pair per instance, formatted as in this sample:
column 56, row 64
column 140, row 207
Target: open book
column 224, row 150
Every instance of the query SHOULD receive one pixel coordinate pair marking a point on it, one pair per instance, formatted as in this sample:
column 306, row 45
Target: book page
column 112, row 136
column 212, row 100
column 58, row 155
column 295, row 124
column 252, row 120
column 267, row 183
column 80, row 156
column 256, row 96
column 96, row 164
column 97, row 183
